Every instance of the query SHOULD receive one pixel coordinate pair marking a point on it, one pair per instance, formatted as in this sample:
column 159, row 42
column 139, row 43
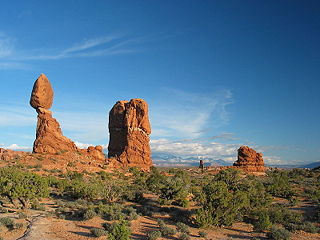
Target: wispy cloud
column 187, row 114
column 13, row 57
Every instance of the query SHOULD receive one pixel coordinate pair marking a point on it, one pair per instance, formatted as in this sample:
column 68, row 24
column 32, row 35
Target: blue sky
column 216, row 74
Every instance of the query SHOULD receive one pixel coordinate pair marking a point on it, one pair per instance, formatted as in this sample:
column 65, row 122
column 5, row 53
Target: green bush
column 7, row 222
column 98, row 232
column 89, row 214
column 119, row 231
column 184, row 236
column 263, row 222
column 306, row 226
column 279, row 185
column 153, row 235
column 221, row 206
column 22, row 186
column 183, row 228
column 167, row 231
column 277, row 233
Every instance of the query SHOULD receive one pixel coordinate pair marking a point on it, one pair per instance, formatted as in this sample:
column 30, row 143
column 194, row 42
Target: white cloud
column 215, row 150
column 17, row 147
column 186, row 114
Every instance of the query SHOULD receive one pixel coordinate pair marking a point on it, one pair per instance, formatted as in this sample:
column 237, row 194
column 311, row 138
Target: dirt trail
column 38, row 229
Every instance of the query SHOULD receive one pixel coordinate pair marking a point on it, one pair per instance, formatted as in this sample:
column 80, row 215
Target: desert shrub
column 262, row 222
column 38, row 206
column 230, row 176
column 221, row 206
column 161, row 223
column 183, row 228
column 202, row 234
column 98, row 232
column 153, row 235
column 23, row 186
column 119, row 231
column 167, row 231
column 89, row 214
column 279, row 185
column 155, row 181
column 306, row 226
column 313, row 193
column 7, row 222
column 111, row 212
column 281, row 215
column 22, row 215
column 184, row 236
column 18, row 225
column 131, row 213
column 277, row 233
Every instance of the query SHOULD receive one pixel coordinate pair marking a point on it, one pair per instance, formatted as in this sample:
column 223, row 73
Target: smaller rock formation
column 7, row 154
column 96, row 152
column 249, row 160
column 129, row 129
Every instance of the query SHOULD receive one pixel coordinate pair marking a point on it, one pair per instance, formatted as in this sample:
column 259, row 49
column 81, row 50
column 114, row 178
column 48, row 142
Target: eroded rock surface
column 49, row 137
column 249, row 160
column 42, row 93
column 129, row 129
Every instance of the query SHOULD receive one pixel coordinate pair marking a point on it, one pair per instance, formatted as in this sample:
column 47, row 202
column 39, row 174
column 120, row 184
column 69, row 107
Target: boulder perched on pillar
column 49, row 137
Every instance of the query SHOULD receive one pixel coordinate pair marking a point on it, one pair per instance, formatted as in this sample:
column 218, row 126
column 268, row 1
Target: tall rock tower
column 129, row 129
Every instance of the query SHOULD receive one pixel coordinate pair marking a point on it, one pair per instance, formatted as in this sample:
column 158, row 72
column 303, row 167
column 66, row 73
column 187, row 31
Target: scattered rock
column 249, row 160
column 129, row 129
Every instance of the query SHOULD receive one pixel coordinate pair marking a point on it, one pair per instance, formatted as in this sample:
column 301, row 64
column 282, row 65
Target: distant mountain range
column 311, row 165
column 167, row 159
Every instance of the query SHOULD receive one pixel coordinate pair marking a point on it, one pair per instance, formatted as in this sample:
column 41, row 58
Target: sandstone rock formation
column 96, row 152
column 249, row 160
column 129, row 129
column 49, row 137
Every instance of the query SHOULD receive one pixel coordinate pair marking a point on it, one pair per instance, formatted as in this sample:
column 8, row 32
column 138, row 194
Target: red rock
column 249, row 160
column 42, row 93
column 7, row 154
column 49, row 137
column 129, row 129
column 96, row 152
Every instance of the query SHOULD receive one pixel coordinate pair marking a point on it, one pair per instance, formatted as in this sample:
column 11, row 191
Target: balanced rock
column 249, row 160
column 49, row 137
column 42, row 93
column 129, row 129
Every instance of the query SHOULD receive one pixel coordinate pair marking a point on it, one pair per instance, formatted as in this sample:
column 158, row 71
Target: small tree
column 22, row 186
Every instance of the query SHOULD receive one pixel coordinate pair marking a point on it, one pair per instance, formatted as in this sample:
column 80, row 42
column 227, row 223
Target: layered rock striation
column 129, row 129
column 249, row 160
